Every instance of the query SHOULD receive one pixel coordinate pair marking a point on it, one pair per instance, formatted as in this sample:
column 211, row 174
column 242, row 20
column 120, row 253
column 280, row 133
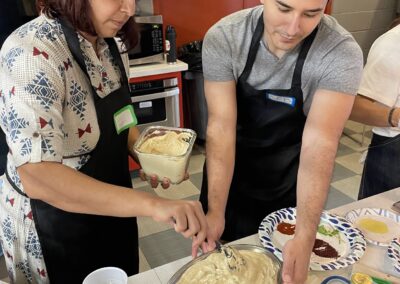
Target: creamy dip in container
column 165, row 151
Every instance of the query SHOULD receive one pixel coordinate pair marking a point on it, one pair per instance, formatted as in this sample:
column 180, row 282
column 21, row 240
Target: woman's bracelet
column 390, row 117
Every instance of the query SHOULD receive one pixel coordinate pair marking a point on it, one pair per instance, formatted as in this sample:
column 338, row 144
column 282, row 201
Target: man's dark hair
column 76, row 12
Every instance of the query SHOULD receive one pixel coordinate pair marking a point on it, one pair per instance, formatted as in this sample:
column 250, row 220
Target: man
column 280, row 81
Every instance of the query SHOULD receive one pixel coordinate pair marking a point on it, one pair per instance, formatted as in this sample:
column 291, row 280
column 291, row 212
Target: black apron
column 270, row 126
column 75, row 244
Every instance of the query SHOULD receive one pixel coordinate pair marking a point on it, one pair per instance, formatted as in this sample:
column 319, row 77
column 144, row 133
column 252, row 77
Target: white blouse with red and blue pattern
column 47, row 113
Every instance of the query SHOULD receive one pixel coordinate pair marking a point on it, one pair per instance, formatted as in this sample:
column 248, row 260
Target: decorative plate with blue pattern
column 394, row 253
column 378, row 217
column 354, row 240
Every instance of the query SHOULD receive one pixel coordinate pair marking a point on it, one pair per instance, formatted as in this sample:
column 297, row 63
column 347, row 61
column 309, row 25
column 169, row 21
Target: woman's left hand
column 154, row 180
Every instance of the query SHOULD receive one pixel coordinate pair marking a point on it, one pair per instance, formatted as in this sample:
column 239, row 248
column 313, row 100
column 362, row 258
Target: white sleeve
column 381, row 75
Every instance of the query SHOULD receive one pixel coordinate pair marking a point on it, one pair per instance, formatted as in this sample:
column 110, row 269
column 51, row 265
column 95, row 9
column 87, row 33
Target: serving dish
column 376, row 217
column 254, row 248
column 353, row 242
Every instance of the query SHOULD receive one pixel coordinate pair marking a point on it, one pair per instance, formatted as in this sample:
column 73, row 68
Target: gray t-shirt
column 334, row 61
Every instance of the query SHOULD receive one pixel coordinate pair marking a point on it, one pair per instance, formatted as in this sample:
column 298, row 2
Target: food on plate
column 286, row 228
column 328, row 245
column 249, row 267
column 361, row 278
column 373, row 226
column 323, row 249
column 166, row 143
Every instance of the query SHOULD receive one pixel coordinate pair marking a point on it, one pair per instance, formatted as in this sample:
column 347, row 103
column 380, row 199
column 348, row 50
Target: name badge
column 284, row 100
column 124, row 118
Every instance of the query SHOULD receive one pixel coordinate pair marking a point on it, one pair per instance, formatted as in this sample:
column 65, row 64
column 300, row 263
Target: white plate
column 387, row 217
column 394, row 253
column 351, row 239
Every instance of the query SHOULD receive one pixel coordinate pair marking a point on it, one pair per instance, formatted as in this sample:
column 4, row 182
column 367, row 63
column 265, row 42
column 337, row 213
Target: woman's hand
column 296, row 261
column 153, row 180
column 186, row 216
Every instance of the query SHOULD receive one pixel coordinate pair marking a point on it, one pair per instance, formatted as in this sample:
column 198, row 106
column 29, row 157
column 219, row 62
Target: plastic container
column 162, row 165
column 107, row 275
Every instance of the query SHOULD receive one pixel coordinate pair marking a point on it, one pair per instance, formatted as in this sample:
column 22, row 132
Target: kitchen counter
column 374, row 261
column 156, row 69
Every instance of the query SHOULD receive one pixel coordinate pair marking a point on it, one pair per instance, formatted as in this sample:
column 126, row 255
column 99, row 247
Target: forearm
column 220, row 164
column 76, row 192
column 315, row 171
column 372, row 113
column 221, row 140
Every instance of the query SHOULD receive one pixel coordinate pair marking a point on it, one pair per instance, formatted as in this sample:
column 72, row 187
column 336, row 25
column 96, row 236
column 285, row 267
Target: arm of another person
column 73, row 191
column 220, row 152
column 324, row 126
column 370, row 112
column 379, row 88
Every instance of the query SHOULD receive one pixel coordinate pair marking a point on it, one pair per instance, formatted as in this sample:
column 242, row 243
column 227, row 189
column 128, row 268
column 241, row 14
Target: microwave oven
column 156, row 102
column 150, row 47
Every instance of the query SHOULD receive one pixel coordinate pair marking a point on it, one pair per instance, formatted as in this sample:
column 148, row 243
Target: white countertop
column 156, row 69
column 374, row 261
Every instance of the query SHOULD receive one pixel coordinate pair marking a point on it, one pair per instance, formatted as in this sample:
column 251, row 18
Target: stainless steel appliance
column 150, row 48
column 156, row 102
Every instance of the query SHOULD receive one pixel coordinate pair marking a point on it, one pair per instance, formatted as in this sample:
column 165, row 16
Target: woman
column 66, row 203
column 378, row 104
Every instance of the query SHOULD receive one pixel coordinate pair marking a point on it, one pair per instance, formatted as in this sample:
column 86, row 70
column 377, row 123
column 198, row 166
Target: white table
column 374, row 261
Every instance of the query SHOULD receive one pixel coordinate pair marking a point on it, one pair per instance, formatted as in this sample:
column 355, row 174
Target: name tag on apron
column 281, row 99
column 124, row 118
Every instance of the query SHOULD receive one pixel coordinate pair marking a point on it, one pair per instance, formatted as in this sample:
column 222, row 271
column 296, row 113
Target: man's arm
column 324, row 126
column 220, row 151
column 368, row 111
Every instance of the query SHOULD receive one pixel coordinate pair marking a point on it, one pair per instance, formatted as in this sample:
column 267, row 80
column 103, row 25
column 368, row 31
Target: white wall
column 144, row 7
column 365, row 19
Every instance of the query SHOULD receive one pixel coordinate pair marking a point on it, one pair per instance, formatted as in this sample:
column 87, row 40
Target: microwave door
column 161, row 109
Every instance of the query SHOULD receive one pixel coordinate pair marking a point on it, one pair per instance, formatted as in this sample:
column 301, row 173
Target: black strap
column 296, row 81
column 14, row 185
column 255, row 41
column 118, row 60
column 74, row 46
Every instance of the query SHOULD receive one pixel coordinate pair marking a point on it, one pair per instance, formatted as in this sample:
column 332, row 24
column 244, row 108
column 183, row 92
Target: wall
column 365, row 19
column 144, row 7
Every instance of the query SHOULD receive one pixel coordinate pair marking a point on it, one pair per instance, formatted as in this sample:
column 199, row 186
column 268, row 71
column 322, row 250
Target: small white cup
column 107, row 275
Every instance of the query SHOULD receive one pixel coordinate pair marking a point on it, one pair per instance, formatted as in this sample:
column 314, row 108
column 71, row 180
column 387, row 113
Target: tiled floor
column 159, row 244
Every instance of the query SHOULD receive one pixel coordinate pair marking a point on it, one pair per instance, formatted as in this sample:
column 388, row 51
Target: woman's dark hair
column 76, row 12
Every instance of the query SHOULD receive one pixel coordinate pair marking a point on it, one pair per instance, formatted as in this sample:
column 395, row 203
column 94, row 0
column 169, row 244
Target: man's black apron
column 75, row 244
column 270, row 125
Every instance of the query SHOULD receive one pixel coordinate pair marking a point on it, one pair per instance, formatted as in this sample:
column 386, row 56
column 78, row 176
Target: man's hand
column 215, row 225
column 296, row 261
